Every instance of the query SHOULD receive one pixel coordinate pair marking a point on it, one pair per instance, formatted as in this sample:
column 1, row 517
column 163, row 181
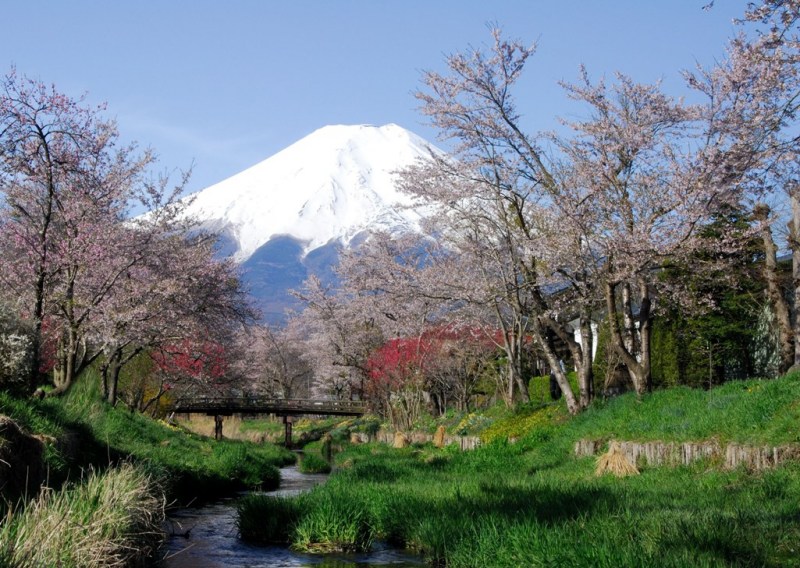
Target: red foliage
column 398, row 358
column 402, row 358
column 193, row 359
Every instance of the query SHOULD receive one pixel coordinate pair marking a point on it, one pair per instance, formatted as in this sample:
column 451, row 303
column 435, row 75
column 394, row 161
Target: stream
column 211, row 539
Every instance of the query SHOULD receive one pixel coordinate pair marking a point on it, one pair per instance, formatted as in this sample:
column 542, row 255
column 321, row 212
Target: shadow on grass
column 543, row 504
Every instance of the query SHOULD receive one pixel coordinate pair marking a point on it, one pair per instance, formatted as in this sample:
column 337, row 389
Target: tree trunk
column 41, row 271
column 113, row 379
column 584, row 366
column 512, row 355
column 36, row 342
column 780, row 307
column 628, row 327
column 639, row 370
column 645, row 331
column 794, row 245
column 514, row 366
column 546, row 343
column 67, row 360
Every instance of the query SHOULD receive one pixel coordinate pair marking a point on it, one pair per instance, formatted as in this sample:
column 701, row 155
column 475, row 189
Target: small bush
column 539, row 420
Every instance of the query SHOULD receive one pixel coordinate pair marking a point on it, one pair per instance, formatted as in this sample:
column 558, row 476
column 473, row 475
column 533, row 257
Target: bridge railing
column 265, row 404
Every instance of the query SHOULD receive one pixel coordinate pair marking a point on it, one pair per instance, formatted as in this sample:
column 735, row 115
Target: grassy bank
column 532, row 503
column 88, row 432
column 109, row 474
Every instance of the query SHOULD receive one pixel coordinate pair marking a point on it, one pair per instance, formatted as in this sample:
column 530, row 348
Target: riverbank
column 527, row 500
column 87, row 449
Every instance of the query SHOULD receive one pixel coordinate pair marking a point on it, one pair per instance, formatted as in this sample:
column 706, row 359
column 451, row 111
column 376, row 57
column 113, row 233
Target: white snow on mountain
column 329, row 186
column 288, row 216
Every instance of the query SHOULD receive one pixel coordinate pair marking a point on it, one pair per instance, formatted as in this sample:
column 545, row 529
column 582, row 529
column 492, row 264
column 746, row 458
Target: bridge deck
column 258, row 405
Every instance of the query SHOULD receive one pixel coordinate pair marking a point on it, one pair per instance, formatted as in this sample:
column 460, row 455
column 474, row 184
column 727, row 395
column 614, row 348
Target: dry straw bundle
column 615, row 462
column 438, row 437
column 400, row 440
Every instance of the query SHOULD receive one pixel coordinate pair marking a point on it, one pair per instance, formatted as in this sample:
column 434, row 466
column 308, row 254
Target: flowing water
column 211, row 539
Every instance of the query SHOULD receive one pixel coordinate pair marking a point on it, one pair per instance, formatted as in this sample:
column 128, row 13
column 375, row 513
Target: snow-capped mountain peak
column 328, row 187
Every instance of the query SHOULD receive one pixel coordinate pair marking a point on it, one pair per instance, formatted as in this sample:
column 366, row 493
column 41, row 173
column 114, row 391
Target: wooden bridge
column 286, row 407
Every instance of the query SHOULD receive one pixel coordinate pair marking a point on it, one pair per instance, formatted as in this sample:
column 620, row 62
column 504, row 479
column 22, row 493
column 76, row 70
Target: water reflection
column 210, row 539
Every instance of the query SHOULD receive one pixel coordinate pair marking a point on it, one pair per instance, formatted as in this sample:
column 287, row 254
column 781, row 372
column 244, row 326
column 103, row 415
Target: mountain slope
column 329, row 186
column 287, row 217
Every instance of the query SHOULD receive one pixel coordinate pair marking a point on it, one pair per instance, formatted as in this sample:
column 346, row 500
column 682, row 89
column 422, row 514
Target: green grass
column 312, row 463
column 266, row 519
column 30, row 415
column 112, row 515
column 532, row 503
column 749, row 412
column 331, row 522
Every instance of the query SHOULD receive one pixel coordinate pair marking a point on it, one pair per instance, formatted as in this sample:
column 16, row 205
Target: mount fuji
column 289, row 216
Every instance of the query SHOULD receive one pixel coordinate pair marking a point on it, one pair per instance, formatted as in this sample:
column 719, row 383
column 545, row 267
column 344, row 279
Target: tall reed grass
column 267, row 519
column 332, row 522
column 108, row 519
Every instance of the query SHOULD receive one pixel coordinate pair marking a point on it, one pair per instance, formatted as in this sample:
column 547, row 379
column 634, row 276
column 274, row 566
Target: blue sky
column 224, row 84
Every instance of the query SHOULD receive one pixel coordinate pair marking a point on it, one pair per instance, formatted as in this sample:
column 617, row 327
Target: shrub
column 15, row 350
column 540, row 420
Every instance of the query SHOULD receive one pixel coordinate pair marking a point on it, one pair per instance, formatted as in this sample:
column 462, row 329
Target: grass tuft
column 332, row 524
column 312, row 463
column 266, row 519
column 109, row 519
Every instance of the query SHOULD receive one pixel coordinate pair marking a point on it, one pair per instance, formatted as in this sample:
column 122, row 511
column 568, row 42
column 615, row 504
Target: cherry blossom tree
column 179, row 294
column 761, row 77
column 494, row 198
column 51, row 148
column 592, row 215
column 341, row 333
column 459, row 359
column 276, row 359
column 108, row 286
column 644, row 206
column 66, row 186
